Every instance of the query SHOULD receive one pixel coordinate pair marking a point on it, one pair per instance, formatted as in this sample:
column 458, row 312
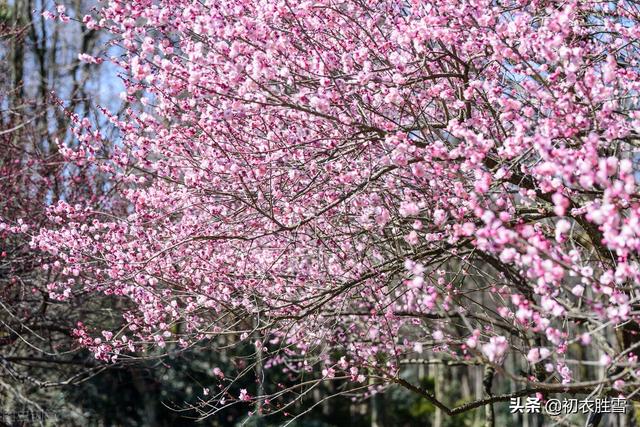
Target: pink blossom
column 585, row 338
column 328, row 373
column 48, row 15
column 618, row 385
column 409, row 209
column 89, row 59
column 495, row 349
column 535, row 355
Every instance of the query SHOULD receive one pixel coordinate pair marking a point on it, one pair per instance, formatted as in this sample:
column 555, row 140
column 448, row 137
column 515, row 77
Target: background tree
column 42, row 83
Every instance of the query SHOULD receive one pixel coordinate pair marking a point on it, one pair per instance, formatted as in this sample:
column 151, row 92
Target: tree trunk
column 439, row 391
column 487, row 382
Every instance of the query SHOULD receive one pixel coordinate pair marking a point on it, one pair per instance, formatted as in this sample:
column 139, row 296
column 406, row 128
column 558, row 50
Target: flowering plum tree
column 39, row 356
column 354, row 187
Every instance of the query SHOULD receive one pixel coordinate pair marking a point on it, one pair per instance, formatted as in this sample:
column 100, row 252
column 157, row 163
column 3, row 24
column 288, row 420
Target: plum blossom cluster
column 345, row 178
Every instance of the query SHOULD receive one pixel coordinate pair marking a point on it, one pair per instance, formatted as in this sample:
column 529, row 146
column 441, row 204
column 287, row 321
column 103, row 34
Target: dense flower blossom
column 366, row 179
